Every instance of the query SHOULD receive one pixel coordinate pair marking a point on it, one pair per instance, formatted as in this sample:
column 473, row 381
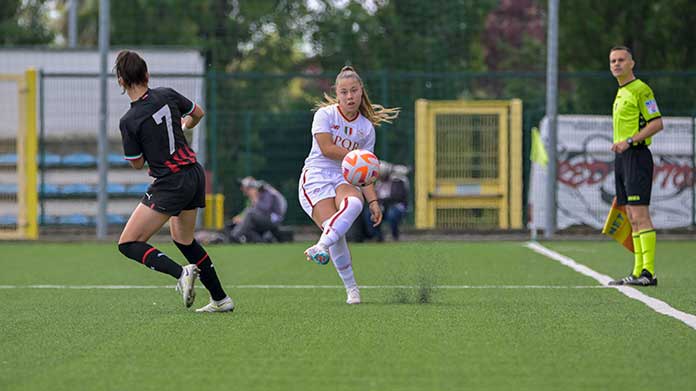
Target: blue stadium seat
column 75, row 219
column 117, row 160
column 77, row 189
column 79, row 160
column 116, row 189
column 50, row 160
column 49, row 190
column 116, row 219
column 8, row 159
column 138, row 188
column 51, row 220
column 8, row 220
column 8, row 188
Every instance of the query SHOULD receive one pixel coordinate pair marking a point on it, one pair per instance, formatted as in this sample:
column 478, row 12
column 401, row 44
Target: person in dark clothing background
column 392, row 190
column 261, row 220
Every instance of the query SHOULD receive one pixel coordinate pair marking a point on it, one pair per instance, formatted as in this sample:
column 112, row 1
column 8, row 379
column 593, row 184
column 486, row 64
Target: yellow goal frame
column 501, row 194
column 26, row 149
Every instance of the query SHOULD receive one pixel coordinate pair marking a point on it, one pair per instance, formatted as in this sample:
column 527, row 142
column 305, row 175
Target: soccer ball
column 360, row 167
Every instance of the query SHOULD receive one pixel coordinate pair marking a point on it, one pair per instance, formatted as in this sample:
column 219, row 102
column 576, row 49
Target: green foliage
column 269, row 61
column 24, row 23
column 660, row 33
column 408, row 35
column 233, row 36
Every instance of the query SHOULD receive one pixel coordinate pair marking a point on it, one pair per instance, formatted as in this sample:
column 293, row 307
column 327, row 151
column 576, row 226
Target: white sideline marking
column 657, row 305
column 308, row 286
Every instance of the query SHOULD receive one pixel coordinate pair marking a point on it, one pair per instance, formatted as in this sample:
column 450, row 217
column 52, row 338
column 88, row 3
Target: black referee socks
column 150, row 257
column 195, row 254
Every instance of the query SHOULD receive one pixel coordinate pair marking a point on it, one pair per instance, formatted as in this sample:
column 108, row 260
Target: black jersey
column 151, row 129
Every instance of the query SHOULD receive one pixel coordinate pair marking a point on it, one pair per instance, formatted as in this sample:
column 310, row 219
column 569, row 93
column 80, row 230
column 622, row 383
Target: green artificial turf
column 509, row 319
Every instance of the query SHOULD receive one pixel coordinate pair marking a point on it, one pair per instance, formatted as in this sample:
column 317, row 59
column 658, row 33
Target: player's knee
column 637, row 222
column 639, row 218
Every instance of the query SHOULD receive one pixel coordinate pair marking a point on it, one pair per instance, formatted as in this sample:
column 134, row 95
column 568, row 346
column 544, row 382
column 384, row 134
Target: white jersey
column 356, row 134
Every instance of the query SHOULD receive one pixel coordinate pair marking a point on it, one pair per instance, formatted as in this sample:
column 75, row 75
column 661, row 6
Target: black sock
column 194, row 253
column 151, row 257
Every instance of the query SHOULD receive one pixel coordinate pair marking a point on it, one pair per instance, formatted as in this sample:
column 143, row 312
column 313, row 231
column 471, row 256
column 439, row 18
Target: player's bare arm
column 371, row 199
column 328, row 148
column 138, row 163
column 191, row 120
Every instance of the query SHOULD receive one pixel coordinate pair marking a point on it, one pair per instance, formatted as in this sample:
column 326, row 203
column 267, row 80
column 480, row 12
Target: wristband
column 369, row 202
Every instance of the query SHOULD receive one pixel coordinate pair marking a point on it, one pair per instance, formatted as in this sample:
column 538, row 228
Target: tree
column 406, row 35
column 660, row 32
column 515, row 36
column 24, row 23
column 231, row 35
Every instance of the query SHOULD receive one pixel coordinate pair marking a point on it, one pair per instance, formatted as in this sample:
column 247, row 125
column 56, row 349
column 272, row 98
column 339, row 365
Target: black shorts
column 184, row 190
column 633, row 174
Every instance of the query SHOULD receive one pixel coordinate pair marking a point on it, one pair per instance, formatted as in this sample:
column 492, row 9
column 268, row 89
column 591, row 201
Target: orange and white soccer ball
column 360, row 167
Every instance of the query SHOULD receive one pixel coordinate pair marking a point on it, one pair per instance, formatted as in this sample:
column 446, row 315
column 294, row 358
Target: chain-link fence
column 68, row 132
column 259, row 124
column 262, row 122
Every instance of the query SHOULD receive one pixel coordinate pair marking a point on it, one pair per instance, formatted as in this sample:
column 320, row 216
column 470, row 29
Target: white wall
column 87, row 61
column 71, row 105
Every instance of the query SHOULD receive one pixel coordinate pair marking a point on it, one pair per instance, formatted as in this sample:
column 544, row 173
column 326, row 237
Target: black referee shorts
column 633, row 174
column 184, row 190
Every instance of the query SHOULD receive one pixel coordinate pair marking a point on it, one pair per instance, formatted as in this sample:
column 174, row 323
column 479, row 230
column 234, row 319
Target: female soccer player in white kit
column 340, row 125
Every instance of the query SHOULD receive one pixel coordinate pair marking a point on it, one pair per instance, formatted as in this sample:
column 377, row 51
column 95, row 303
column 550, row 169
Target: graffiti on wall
column 585, row 173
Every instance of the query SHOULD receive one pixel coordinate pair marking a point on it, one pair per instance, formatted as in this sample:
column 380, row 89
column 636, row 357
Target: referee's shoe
column 646, row 279
column 624, row 281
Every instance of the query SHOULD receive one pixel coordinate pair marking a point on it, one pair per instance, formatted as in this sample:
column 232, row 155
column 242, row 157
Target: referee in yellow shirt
column 636, row 119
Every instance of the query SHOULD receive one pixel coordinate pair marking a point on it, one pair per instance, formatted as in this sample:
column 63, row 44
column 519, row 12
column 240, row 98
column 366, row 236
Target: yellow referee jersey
column 634, row 107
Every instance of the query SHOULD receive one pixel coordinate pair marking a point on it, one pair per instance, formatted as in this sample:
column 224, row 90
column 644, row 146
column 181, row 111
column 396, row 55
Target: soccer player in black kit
column 152, row 132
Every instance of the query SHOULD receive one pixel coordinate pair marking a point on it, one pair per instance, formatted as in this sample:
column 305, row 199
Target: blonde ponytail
column 375, row 113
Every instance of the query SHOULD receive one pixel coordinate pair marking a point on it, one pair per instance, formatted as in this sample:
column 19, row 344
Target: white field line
column 307, row 286
column 657, row 305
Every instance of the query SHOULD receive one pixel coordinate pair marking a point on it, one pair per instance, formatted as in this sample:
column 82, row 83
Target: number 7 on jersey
column 165, row 113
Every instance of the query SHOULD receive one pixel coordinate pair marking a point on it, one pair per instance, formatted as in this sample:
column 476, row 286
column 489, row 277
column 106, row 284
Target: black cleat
column 645, row 279
column 624, row 281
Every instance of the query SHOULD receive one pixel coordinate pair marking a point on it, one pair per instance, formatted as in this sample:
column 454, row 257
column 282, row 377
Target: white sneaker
column 353, row 295
column 224, row 305
column 318, row 254
column 186, row 283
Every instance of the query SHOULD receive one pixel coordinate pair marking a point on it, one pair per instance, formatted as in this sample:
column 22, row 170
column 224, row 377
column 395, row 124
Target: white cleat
column 186, row 283
column 353, row 295
column 224, row 305
column 318, row 254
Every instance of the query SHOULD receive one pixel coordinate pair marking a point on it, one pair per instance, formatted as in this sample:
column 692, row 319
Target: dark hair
column 619, row 47
column 131, row 68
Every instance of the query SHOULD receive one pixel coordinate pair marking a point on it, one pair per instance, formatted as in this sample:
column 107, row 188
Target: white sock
column 338, row 224
column 340, row 256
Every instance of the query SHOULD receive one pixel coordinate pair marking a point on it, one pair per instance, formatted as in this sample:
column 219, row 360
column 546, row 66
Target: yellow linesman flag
column 618, row 227
column 538, row 154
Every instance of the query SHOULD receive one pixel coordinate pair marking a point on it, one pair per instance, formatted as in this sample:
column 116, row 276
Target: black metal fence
column 259, row 124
